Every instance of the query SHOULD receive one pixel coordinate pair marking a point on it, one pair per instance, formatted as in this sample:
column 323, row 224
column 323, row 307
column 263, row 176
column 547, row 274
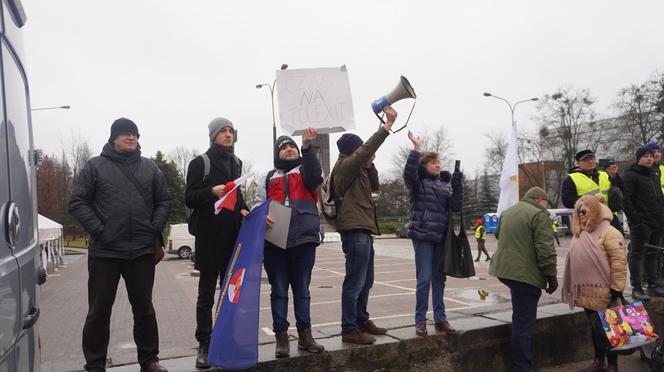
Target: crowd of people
column 122, row 201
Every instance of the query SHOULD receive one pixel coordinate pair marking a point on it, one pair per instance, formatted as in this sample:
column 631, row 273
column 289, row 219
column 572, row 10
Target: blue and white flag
column 234, row 343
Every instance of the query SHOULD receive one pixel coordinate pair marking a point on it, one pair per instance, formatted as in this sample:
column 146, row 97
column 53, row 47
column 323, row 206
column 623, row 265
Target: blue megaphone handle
column 379, row 104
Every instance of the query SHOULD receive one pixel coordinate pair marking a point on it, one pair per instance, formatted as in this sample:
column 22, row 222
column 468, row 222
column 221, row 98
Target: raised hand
column 308, row 136
column 415, row 140
column 391, row 117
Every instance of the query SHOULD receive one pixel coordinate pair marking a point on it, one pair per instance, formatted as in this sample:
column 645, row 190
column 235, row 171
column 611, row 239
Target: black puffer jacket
column 643, row 200
column 113, row 212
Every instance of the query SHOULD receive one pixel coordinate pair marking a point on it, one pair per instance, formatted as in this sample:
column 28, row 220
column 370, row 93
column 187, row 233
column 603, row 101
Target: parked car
column 402, row 231
column 180, row 242
column 19, row 244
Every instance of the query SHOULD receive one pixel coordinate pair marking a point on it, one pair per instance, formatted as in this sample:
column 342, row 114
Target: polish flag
column 230, row 197
column 235, row 285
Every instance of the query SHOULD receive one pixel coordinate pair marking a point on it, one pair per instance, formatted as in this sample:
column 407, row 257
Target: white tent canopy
column 48, row 229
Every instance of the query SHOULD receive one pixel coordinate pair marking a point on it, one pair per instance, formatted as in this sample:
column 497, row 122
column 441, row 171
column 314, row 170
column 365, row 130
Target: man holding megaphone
column 355, row 178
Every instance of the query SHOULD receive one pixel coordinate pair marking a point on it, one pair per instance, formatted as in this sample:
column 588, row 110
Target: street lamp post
column 512, row 108
column 51, row 108
column 272, row 86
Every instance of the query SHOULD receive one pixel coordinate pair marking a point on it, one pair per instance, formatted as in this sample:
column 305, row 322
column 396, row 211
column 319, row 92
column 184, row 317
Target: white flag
column 509, row 177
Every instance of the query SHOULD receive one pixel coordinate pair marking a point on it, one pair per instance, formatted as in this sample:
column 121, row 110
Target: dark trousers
column 104, row 275
column 481, row 248
column 600, row 343
column 641, row 259
column 359, row 252
column 290, row 267
column 555, row 236
column 524, row 314
column 207, row 285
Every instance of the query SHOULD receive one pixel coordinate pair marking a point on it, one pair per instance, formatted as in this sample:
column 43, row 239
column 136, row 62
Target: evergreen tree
column 488, row 198
column 470, row 201
column 175, row 183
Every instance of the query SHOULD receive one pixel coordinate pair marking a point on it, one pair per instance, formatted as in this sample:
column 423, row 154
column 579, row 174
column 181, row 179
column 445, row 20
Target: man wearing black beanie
column 354, row 178
column 121, row 200
column 644, row 206
column 293, row 182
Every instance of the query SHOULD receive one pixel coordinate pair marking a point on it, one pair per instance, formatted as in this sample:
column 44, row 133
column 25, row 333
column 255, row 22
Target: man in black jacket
column 123, row 223
column 215, row 233
column 644, row 207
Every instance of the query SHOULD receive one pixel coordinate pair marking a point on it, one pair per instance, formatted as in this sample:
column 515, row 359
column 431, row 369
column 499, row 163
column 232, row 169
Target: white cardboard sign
column 315, row 97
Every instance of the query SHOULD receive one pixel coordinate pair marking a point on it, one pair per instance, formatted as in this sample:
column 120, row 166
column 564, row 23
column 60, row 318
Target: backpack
column 329, row 202
column 193, row 214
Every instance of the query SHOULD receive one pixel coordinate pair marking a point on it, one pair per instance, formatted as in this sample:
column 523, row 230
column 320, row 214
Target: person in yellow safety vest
column 584, row 179
column 554, row 227
column 615, row 203
column 480, row 235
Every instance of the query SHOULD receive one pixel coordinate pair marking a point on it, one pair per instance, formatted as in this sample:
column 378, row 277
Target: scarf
column 287, row 165
column 587, row 270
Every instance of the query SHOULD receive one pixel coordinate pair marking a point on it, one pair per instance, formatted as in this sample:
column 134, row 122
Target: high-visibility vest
column 661, row 177
column 586, row 186
column 554, row 226
column 480, row 232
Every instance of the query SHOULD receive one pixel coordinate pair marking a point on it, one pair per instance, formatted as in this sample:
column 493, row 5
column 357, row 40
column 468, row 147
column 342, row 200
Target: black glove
column 445, row 176
column 616, row 298
column 615, row 294
column 552, row 284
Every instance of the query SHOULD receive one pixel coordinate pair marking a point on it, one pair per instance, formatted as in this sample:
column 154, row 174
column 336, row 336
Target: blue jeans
column 358, row 249
column 524, row 314
column 428, row 256
column 292, row 267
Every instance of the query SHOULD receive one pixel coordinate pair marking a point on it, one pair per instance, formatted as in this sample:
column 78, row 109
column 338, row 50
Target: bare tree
column 636, row 106
column 250, row 188
column 181, row 156
column 495, row 152
column 567, row 120
column 436, row 140
column 77, row 152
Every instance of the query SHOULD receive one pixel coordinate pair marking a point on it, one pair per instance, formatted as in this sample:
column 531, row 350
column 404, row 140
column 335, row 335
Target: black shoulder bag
column 159, row 239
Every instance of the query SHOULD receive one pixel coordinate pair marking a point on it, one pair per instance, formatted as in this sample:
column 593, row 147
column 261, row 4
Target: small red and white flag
column 230, row 197
column 235, row 285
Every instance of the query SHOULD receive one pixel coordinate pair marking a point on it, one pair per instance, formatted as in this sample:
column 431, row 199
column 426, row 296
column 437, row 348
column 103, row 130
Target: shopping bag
column 627, row 326
column 457, row 257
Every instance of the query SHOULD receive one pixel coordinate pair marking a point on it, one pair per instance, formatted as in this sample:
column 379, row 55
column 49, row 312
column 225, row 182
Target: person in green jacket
column 525, row 261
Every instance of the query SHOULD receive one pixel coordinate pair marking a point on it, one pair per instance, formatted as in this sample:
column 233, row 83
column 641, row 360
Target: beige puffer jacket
column 611, row 241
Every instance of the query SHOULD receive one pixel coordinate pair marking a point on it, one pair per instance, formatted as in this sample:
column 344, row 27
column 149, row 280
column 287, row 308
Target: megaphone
column 401, row 91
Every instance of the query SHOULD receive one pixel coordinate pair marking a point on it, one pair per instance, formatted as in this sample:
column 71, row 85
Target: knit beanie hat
column 348, row 143
column 122, row 125
column 216, row 125
column 281, row 142
column 653, row 146
column 642, row 151
column 606, row 162
column 535, row 193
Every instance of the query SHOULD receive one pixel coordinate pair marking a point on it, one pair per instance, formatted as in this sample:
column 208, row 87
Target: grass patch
column 389, row 227
column 79, row 243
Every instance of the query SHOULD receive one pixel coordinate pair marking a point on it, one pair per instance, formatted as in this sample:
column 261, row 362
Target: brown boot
column 597, row 366
column 282, row 349
column 444, row 326
column 611, row 368
column 421, row 329
column 370, row 328
column 357, row 337
column 153, row 367
column 306, row 342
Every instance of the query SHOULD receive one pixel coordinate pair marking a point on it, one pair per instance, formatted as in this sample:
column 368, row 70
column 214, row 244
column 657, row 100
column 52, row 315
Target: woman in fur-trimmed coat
column 595, row 271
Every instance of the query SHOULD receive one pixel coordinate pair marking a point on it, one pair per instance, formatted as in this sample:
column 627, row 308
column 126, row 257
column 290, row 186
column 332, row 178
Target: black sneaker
column 655, row 290
column 639, row 294
column 202, row 356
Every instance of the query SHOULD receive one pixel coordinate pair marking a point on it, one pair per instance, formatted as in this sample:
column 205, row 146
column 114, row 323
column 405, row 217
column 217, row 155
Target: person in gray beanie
column 354, row 178
column 215, row 234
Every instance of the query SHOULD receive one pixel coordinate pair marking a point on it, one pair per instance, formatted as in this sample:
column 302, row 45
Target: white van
column 180, row 242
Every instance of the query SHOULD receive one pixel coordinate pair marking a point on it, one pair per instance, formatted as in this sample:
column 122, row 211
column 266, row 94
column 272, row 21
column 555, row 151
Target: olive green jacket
column 525, row 245
column 353, row 182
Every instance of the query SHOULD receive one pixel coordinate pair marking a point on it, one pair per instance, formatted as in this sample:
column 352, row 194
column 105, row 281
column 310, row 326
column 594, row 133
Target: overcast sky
column 172, row 66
